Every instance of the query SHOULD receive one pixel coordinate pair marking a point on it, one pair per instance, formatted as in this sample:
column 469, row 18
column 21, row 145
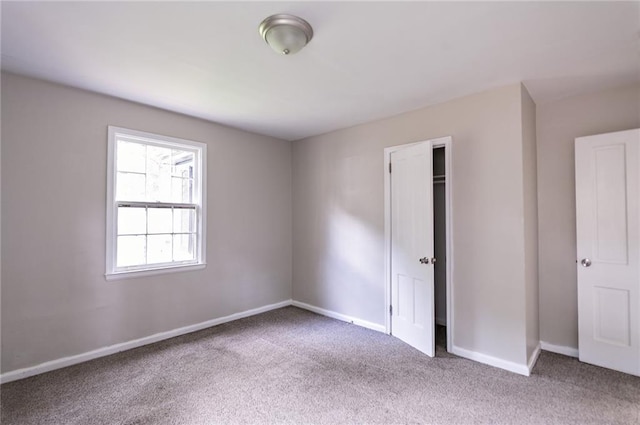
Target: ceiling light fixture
column 286, row 34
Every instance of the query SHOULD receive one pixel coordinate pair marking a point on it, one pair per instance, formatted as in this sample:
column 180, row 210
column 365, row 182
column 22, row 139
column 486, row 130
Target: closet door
column 412, row 290
column 608, row 245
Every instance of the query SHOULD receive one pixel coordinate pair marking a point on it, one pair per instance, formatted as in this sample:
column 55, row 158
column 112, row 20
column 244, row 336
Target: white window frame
column 199, row 194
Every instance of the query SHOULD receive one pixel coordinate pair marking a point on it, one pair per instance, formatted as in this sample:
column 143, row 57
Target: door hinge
column 391, row 310
column 389, row 167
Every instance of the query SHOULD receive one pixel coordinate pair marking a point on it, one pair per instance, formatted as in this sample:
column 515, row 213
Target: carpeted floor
column 292, row 366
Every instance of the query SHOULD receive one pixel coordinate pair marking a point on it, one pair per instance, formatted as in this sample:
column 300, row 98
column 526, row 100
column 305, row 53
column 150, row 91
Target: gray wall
column 339, row 217
column 55, row 299
column 558, row 124
column 530, row 221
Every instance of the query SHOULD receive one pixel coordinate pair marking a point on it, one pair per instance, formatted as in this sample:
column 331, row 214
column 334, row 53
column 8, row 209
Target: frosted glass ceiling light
column 286, row 34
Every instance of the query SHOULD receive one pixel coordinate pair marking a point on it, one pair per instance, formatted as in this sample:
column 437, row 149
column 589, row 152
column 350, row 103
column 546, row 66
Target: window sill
column 153, row 272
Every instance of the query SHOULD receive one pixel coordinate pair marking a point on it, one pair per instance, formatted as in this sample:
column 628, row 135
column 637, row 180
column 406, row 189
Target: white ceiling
column 367, row 60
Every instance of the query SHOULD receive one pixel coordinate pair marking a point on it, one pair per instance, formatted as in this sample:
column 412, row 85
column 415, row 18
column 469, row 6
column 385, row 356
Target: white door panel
column 608, row 243
column 412, row 291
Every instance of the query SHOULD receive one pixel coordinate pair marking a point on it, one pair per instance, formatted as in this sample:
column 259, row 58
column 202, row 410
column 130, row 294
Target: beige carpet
column 292, row 366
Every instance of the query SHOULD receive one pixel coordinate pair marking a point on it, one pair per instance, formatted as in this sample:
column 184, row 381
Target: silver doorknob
column 585, row 262
column 433, row 261
column 424, row 260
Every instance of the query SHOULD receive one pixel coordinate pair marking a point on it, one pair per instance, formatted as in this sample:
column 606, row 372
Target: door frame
column 440, row 142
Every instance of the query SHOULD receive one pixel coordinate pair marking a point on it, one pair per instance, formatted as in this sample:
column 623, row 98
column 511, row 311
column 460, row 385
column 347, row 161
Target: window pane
column 181, row 190
column 182, row 172
column 131, row 250
column 131, row 187
column 184, row 247
column 159, row 220
column 184, row 220
column 131, row 156
column 183, row 163
column 159, row 249
column 132, row 221
column 158, row 174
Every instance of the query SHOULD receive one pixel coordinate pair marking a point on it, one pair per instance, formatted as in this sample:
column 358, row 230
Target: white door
column 608, row 234
column 412, row 291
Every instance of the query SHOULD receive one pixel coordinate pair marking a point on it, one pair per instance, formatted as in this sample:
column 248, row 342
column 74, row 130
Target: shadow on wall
column 353, row 265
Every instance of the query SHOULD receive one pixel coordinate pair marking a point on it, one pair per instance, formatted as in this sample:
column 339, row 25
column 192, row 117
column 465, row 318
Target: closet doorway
column 418, row 247
column 440, row 245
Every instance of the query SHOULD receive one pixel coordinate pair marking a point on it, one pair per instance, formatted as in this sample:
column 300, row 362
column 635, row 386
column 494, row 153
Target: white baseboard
column 518, row 368
column 116, row 348
column 560, row 349
column 340, row 316
column 534, row 358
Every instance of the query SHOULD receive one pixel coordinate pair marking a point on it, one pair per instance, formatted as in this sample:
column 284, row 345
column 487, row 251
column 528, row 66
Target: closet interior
column 440, row 246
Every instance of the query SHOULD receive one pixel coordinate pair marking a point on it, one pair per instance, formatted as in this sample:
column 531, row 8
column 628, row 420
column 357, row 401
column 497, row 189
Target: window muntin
column 155, row 206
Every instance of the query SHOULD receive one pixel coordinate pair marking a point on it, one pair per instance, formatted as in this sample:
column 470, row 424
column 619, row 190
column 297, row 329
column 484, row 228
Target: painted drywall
column 55, row 299
column 339, row 217
column 529, row 164
column 557, row 125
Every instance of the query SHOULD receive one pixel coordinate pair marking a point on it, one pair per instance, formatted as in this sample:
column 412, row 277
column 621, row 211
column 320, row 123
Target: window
column 155, row 203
